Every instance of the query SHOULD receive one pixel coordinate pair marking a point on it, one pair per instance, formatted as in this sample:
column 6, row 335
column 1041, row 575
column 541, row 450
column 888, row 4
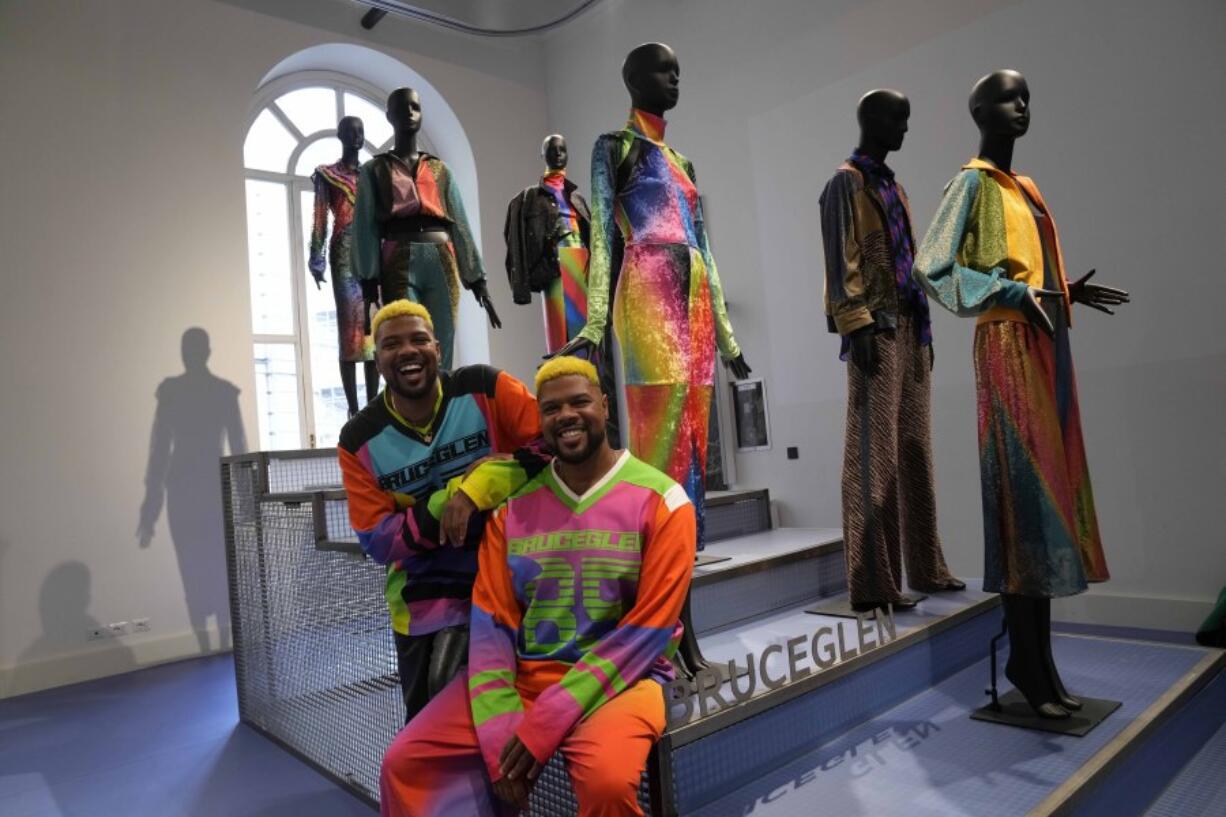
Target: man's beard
column 593, row 439
column 413, row 394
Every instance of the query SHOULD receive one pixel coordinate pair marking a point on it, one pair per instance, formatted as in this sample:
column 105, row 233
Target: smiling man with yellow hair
column 425, row 428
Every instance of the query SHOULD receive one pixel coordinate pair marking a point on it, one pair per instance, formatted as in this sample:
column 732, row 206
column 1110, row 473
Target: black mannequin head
column 651, row 74
column 404, row 111
column 1000, row 104
column 351, row 133
column 883, row 116
column 553, row 149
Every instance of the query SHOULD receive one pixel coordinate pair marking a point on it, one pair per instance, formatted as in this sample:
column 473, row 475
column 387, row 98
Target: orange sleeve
column 387, row 532
column 515, row 413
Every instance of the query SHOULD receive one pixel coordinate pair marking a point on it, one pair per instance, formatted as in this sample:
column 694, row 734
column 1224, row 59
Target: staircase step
column 925, row 757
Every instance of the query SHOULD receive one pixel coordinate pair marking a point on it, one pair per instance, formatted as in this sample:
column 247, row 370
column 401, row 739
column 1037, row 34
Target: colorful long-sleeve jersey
column 983, row 249
column 387, row 466
column 657, row 204
column 438, row 197
column 587, row 589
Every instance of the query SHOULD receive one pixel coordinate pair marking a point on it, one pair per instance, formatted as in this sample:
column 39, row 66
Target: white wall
column 123, row 226
column 1123, row 143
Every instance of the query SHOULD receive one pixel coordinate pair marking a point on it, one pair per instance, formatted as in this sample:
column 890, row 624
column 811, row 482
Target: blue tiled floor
column 927, row 758
column 1200, row 789
column 164, row 741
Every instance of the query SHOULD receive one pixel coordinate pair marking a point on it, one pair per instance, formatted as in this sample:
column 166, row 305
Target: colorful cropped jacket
column 983, row 249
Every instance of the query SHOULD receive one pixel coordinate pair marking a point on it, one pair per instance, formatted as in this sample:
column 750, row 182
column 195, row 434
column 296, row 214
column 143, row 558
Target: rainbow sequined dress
column 668, row 308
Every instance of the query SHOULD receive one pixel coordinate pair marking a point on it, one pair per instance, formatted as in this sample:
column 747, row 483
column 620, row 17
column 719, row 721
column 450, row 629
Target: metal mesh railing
column 314, row 658
column 313, row 651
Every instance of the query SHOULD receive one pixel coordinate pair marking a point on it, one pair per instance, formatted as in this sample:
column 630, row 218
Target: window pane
column 364, row 156
column 272, row 298
column 331, row 406
column 374, row 119
column 276, row 396
column 321, row 152
column 268, row 144
column 310, row 109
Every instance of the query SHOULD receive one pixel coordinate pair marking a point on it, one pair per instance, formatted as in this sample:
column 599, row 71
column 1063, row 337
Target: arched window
column 299, row 396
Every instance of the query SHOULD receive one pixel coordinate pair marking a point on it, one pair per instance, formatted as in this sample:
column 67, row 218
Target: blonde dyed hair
column 564, row 366
column 400, row 309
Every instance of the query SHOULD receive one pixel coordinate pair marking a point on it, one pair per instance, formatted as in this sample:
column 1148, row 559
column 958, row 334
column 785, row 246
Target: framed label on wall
column 752, row 418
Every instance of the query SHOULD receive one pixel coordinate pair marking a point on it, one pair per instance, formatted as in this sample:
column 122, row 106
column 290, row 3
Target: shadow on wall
column 196, row 412
column 63, row 608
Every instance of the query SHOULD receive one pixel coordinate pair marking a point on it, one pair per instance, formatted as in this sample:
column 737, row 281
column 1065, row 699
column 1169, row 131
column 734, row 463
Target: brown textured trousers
column 889, row 505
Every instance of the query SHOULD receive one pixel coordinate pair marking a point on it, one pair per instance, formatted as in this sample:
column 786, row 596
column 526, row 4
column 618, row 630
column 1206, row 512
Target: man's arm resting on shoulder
column 387, row 532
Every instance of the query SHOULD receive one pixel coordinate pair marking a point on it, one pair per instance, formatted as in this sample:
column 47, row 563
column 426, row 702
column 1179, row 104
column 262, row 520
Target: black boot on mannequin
column 1026, row 668
column 689, row 656
column 1049, row 663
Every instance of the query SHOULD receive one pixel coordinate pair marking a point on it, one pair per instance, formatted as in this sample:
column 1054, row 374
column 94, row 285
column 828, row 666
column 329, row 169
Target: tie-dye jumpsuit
column 668, row 309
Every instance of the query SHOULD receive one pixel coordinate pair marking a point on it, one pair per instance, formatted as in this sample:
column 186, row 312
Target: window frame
column 295, row 187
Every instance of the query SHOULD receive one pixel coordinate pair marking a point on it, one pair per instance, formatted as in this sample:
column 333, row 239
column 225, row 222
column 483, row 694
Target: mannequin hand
column 483, row 297
column 1096, row 295
column 738, row 367
column 864, row 350
column 319, row 279
column 576, row 347
column 1034, row 312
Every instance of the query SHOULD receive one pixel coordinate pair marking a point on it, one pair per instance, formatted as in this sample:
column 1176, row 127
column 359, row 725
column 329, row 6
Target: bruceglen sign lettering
column 804, row 656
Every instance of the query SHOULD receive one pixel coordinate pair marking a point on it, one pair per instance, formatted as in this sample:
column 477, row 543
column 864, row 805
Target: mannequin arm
column 844, row 280
column 319, row 228
column 605, row 154
column 468, row 258
column 961, row 260
column 724, row 338
column 366, row 244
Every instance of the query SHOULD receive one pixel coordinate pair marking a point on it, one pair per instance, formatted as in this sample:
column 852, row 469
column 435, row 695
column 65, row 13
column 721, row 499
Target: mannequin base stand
column 1011, row 709
column 840, row 605
column 1014, row 711
column 705, row 559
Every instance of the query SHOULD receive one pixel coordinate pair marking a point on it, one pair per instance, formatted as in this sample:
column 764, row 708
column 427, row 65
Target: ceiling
column 491, row 18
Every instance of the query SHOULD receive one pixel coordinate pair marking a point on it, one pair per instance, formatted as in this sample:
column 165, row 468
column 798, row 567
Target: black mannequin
column 352, row 135
column 555, row 152
column 652, row 75
column 1000, row 105
column 882, row 116
column 404, row 114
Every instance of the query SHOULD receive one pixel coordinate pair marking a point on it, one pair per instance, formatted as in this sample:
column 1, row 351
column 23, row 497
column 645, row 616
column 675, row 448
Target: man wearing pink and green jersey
column 581, row 579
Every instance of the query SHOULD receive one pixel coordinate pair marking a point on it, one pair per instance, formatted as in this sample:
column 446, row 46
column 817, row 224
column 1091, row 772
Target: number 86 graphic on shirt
column 549, row 623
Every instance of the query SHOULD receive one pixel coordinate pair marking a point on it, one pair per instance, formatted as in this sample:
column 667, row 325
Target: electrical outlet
column 97, row 634
column 118, row 628
column 141, row 625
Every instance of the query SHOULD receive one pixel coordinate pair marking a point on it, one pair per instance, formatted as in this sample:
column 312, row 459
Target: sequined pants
column 352, row 323
column 565, row 299
column 665, row 327
column 426, row 274
column 889, row 505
